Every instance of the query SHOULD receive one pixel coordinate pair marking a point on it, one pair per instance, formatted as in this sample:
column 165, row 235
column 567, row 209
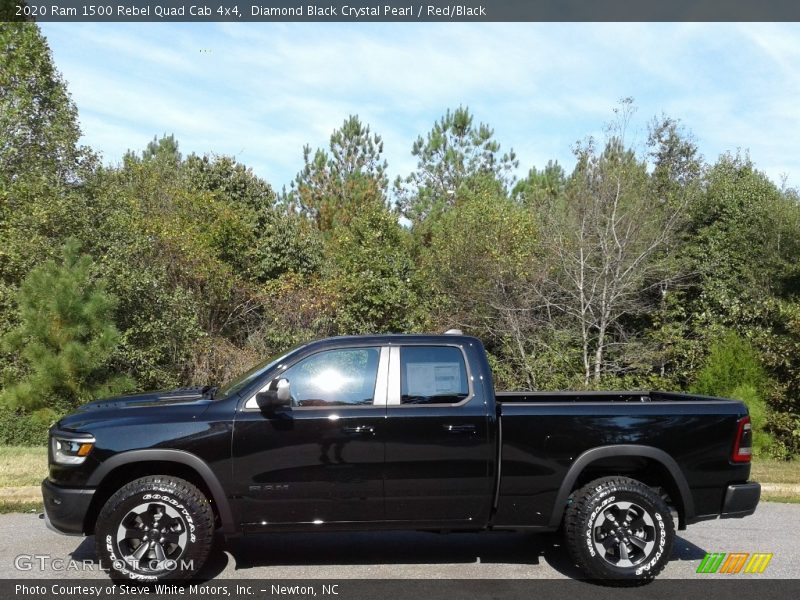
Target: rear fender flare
column 594, row 454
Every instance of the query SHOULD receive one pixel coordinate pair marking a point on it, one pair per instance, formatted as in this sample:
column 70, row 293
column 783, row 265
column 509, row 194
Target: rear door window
column 432, row 375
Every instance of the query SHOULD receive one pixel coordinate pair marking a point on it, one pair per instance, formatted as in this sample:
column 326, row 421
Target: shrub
column 785, row 428
column 733, row 370
column 21, row 429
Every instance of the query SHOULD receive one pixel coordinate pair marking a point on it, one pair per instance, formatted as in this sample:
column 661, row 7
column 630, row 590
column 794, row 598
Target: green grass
column 22, row 465
column 775, row 471
column 14, row 506
column 780, row 497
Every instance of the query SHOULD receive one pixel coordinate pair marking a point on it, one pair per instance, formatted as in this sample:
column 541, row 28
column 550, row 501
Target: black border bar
column 396, row 11
column 704, row 588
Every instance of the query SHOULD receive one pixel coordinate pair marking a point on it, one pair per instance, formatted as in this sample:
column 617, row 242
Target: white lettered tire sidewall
column 589, row 502
column 180, row 498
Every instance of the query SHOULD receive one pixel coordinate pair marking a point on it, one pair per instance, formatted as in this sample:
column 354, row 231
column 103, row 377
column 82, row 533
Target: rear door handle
column 459, row 428
column 359, row 430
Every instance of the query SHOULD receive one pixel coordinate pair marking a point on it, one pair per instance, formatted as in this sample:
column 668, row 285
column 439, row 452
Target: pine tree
column 328, row 188
column 66, row 336
column 453, row 153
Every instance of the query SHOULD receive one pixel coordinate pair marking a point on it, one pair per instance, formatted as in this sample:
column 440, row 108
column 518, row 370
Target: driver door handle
column 459, row 428
column 359, row 429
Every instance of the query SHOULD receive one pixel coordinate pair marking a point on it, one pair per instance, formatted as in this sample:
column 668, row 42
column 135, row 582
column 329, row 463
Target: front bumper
column 740, row 500
column 65, row 508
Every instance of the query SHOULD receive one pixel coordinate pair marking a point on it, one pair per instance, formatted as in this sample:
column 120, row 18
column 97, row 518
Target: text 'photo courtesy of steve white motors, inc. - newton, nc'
column 189, row 590
column 212, row 11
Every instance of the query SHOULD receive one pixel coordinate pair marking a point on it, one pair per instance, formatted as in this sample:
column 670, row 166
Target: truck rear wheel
column 153, row 529
column 620, row 530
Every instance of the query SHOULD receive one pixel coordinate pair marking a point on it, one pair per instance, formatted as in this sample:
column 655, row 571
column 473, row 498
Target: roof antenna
column 454, row 332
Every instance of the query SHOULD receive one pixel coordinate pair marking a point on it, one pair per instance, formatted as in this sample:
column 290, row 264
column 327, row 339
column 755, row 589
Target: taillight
column 743, row 446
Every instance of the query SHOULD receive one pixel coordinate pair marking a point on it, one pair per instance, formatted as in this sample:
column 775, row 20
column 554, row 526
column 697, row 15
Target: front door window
column 344, row 377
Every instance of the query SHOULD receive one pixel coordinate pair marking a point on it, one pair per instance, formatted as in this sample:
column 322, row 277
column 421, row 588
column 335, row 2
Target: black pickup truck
column 394, row 432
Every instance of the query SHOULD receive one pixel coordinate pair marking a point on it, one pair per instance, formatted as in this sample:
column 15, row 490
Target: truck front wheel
column 153, row 529
column 620, row 530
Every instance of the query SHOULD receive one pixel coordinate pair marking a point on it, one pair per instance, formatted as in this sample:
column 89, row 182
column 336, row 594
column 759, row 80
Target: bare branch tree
column 607, row 238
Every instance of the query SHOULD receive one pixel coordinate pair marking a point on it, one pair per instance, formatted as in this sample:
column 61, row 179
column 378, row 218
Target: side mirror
column 278, row 396
column 284, row 391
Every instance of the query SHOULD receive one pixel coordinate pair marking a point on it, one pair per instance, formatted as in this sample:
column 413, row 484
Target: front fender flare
column 176, row 456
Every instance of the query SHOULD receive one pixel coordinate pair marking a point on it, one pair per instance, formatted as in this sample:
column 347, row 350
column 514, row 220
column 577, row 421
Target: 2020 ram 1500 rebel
column 394, row 432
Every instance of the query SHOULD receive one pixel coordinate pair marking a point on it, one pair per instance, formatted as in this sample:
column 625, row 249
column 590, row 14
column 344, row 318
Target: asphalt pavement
column 775, row 528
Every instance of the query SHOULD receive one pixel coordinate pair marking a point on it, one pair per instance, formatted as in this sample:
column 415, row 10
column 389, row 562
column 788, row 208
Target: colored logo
column 734, row 562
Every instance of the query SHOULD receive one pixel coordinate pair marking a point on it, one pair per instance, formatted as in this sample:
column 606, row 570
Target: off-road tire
column 605, row 516
column 148, row 523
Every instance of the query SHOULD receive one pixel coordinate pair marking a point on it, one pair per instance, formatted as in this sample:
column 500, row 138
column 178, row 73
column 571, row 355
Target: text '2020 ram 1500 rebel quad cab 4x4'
column 394, row 432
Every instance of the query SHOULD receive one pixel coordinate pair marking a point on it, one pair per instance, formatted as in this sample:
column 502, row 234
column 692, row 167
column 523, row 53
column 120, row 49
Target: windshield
column 242, row 381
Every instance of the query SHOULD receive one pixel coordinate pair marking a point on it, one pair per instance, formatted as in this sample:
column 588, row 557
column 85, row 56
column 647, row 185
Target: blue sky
column 261, row 91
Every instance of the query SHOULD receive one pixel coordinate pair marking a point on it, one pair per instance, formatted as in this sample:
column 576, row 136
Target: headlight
column 71, row 450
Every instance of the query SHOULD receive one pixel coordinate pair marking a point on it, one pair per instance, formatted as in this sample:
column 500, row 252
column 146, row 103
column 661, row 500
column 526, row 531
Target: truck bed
column 543, row 434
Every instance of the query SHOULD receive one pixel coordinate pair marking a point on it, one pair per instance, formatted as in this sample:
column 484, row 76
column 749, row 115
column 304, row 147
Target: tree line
column 644, row 266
